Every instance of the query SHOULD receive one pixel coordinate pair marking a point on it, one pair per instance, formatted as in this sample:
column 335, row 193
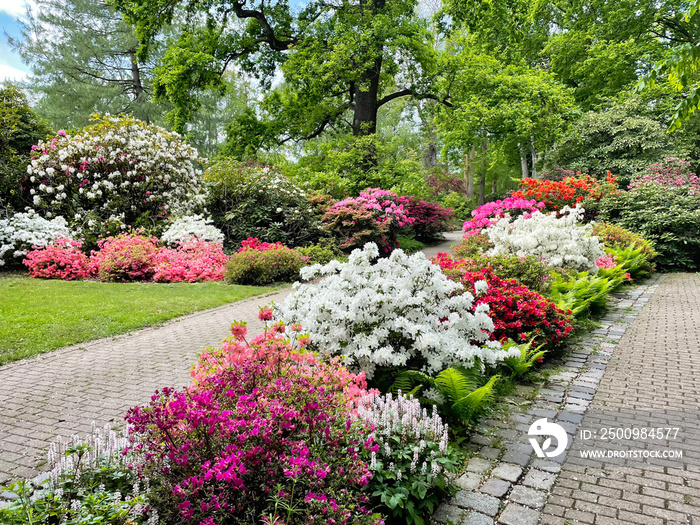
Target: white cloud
column 14, row 7
column 11, row 73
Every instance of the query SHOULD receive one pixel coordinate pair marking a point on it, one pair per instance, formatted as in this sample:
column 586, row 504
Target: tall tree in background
column 83, row 58
column 341, row 61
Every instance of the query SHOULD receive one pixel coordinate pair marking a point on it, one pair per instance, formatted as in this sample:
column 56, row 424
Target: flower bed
column 490, row 213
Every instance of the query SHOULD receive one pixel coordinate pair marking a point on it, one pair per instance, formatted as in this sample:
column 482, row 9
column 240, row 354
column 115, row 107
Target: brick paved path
column 652, row 380
column 63, row 392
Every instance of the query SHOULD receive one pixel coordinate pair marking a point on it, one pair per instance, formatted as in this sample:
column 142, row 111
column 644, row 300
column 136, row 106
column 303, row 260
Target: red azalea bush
column 191, row 261
column 429, row 219
column 517, row 312
column 270, row 440
column 570, row 191
column 264, row 263
column 126, row 257
column 62, row 259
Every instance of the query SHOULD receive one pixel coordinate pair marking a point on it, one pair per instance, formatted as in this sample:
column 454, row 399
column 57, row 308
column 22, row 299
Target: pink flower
column 265, row 314
column 239, row 330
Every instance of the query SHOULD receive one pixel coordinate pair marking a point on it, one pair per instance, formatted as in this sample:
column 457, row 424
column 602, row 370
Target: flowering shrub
column 528, row 270
column 667, row 216
column 398, row 312
column 191, row 261
column 374, row 216
column 126, row 257
column 517, row 312
column 560, row 240
column 253, row 200
column 489, row 213
column 410, row 458
column 570, row 191
column 115, row 173
column 89, row 482
column 197, row 226
column 607, row 262
column 613, row 236
column 429, row 219
column 23, row 231
column 272, row 439
column 670, row 172
column 62, row 259
column 264, row 263
column 472, row 245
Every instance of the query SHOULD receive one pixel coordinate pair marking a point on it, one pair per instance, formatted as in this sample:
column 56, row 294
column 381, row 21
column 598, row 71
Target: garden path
column 61, row 393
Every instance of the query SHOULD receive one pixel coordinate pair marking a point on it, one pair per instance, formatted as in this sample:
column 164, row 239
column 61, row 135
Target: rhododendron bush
column 184, row 228
column 248, row 443
column 62, row 259
column 671, row 172
column 23, row 231
column 116, row 173
column 429, row 219
column 399, row 311
column 561, row 240
column 488, row 214
column 375, row 216
column 517, row 312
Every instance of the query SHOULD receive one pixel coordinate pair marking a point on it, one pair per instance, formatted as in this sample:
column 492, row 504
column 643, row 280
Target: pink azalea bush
column 607, row 262
column 266, row 438
column 62, row 259
column 126, row 257
column 671, row 172
column 488, row 214
column 193, row 260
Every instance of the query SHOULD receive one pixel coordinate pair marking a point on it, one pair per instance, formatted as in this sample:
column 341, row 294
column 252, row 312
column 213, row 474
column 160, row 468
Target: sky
column 11, row 65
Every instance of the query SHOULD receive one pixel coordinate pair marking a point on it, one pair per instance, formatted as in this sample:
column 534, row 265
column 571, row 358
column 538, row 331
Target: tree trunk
column 366, row 97
column 494, row 185
column 482, row 174
column 523, row 163
column 533, row 152
column 137, row 85
column 469, row 173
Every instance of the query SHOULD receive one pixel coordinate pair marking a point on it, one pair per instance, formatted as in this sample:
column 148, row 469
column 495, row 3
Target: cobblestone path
column 61, row 393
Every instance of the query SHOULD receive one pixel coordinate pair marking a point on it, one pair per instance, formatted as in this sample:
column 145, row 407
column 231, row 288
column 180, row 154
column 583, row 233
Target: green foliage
column 36, row 320
column 460, row 394
column 458, row 202
column 529, row 270
column 252, row 200
column 265, row 267
column 409, row 244
column 518, row 367
column 323, row 252
column 583, row 292
column 632, row 259
column 668, row 217
column 472, row 246
column 20, row 128
column 614, row 236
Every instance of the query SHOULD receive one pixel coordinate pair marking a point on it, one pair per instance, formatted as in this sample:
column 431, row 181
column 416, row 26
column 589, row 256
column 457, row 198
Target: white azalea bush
column 117, row 173
column 22, row 231
column 184, row 228
column 400, row 311
column 561, row 240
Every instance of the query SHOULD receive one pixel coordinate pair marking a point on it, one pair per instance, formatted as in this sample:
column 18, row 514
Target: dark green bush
column 264, row 267
column 668, row 217
column 322, row 253
column 529, row 270
column 472, row 246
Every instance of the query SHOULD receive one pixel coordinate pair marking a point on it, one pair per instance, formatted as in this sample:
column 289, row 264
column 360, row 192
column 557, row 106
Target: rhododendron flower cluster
column 184, row 228
column 670, row 172
column 191, row 261
column 489, row 213
column 23, row 231
column 395, row 312
column 256, row 435
column 517, row 312
column 116, row 173
column 62, row 259
column 571, row 191
column 561, row 240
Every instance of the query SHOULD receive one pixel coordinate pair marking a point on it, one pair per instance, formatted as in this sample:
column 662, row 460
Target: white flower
column 192, row 226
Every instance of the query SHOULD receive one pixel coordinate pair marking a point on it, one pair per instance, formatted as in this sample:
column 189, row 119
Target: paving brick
column 515, row 514
column 528, row 496
column 539, row 479
column 495, row 487
column 507, row 472
column 476, row 518
column 475, row 501
column 468, row 481
column 445, row 513
column 479, row 465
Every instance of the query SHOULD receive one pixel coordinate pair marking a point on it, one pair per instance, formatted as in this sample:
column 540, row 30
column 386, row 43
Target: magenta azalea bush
column 126, row 257
column 429, row 219
column 272, row 439
column 671, row 172
column 192, row 260
column 62, row 259
column 488, row 214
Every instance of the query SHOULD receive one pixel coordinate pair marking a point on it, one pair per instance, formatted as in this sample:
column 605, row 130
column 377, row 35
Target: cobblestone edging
column 505, row 482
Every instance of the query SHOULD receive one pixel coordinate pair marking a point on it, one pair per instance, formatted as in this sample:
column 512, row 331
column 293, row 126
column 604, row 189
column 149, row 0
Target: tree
column 340, row 61
column 84, row 60
column 20, row 128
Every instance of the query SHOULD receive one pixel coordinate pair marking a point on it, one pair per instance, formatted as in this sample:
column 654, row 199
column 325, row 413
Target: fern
column 519, row 366
column 454, row 384
column 472, row 405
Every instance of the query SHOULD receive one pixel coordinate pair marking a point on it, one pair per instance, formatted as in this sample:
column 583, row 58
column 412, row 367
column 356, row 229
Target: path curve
column 61, row 393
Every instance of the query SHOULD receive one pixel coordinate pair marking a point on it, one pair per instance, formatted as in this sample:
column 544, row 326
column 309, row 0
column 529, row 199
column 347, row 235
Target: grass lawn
column 39, row 315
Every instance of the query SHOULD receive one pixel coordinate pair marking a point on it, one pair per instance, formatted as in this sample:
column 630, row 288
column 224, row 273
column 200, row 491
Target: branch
column 267, row 30
column 407, row 92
